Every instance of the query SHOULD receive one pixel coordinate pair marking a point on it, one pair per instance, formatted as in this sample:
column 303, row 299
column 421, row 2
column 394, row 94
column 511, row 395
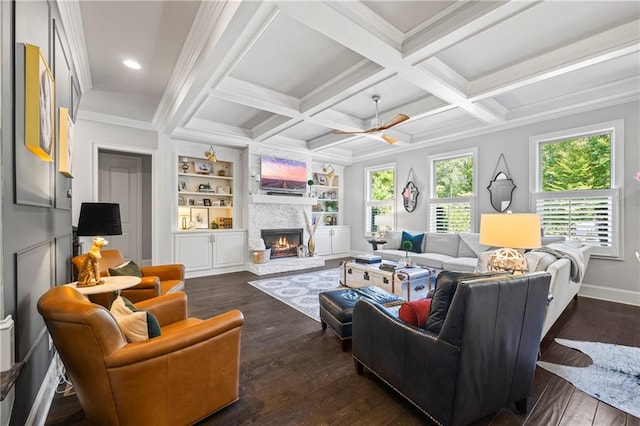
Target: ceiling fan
column 376, row 131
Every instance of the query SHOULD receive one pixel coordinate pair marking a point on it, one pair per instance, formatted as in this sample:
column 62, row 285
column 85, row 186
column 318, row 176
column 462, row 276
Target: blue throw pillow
column 416, row 241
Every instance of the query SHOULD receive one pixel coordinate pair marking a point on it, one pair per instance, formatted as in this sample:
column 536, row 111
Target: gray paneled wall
column 36, row 203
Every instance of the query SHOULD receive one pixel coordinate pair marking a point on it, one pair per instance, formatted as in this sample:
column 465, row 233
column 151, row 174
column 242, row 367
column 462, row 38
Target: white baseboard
column 628, row 297
column 41, row 405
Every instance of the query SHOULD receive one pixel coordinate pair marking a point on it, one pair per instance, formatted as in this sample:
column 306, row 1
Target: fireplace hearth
column 282, row 242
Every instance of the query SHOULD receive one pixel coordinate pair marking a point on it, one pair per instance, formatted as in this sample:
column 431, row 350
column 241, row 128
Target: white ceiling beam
column 273, row 126
column 322, row 18
column 599, row 96
column 458, row 23
column 255, row 96
column 608, row 45
column 237, row 29
column 218, row 128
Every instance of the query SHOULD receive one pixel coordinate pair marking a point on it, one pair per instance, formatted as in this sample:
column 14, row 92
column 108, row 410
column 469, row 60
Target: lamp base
column 508, row 260
column 89, row 274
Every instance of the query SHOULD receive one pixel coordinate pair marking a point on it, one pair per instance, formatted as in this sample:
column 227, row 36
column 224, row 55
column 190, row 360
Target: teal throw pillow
column 416, row 241
column 128, row 268
column 153, row 326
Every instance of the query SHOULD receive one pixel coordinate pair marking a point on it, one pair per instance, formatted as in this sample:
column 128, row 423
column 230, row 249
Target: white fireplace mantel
column 283, row 199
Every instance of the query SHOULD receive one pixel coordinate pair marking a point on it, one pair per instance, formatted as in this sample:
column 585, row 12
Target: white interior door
column 120, row 181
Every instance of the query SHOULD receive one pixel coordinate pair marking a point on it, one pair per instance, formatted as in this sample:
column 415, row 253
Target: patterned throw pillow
column 136, row 325
column 127, row 268
column 416, row 241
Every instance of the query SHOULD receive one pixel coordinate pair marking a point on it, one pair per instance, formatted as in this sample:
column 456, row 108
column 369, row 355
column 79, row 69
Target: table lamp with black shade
column 513, row 232
column 96, row 220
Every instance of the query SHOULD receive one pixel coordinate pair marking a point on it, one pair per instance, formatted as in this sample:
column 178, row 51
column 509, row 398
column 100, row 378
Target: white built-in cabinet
column 210, row 252
column 333, row 240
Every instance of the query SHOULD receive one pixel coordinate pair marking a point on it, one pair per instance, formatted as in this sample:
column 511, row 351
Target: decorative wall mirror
column 501, row 188
column 410, row 193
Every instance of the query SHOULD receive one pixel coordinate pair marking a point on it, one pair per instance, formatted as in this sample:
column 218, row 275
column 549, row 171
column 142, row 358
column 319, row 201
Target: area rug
column 614, row 376
column 301, row 291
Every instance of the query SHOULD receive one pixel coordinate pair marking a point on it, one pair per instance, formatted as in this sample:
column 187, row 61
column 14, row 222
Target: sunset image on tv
column 281, row 173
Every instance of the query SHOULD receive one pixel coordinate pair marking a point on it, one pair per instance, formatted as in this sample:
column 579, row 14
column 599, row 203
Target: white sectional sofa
column 463, row 252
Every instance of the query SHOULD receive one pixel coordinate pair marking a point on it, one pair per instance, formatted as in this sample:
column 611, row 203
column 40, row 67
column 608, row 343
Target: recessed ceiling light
column 130, row 63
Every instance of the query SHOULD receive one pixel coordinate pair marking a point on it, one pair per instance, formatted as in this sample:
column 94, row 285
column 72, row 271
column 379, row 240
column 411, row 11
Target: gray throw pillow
column 442, row 243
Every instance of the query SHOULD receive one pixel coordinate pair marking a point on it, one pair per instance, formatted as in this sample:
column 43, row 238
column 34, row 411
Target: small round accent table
column 375, row 241
column 111, row 285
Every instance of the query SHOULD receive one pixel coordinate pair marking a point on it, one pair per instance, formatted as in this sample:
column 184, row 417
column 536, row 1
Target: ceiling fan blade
column 395, row 121
column 389, row 139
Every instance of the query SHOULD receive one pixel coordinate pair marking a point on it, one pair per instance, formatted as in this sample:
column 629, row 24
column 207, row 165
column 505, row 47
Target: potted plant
column 406, row 246
column 310, row 182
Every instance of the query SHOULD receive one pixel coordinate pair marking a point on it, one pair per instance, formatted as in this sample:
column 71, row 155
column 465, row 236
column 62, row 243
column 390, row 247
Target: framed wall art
column 65, row 139
column 200, row 217
column 39, row 104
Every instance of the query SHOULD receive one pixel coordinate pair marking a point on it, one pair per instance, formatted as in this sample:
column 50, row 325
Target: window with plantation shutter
column 452, row 204
column 575, row 187
column 379, row 188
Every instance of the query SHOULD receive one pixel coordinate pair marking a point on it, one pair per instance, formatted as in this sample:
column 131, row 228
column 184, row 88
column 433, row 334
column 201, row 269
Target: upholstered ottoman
column 336, row 307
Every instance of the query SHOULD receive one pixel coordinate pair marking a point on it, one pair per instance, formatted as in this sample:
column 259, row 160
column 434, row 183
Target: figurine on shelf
column 89, row 274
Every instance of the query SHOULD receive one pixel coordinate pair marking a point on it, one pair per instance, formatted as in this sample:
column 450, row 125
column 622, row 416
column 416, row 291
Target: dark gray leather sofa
column 476, row 355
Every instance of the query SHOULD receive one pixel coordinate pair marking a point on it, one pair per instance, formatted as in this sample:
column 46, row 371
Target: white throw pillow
column 132, row 324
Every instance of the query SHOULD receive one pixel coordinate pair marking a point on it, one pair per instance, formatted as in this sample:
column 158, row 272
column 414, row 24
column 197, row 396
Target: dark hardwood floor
column 294, row 373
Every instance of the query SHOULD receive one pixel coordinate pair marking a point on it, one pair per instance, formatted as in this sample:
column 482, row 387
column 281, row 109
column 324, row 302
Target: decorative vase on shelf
column 311, row 246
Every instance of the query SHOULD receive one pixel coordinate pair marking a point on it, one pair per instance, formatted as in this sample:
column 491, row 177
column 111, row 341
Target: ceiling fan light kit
column 377, row 127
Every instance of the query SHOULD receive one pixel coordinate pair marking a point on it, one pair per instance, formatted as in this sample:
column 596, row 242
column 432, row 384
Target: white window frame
column 368, row 203
column 616, row 128
column 472, row 200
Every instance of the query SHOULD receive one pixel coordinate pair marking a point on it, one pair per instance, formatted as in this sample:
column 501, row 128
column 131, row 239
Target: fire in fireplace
column 282, row 242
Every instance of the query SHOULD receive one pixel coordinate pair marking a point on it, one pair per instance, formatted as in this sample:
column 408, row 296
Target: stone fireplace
column 283, row 242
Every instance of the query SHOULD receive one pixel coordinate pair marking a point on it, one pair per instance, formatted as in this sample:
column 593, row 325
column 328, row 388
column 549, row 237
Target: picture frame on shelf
column 223, row 190
column 199, row 202
column 191, row 201
column 203, row 167
column 181, row 201
column 200, row 217
column 320, row 178
column 207, row 202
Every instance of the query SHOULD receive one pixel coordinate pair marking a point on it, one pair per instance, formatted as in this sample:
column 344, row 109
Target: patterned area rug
column 301, row 291
column 614, row 376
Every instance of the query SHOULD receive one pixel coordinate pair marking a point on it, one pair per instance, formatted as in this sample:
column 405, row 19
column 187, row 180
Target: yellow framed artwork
column 65, row 140
column 39, row 104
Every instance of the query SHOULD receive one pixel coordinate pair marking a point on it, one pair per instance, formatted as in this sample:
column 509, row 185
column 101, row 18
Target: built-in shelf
column 283, row 199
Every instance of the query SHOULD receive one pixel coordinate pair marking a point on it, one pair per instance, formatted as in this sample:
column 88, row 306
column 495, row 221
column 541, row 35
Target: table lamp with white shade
column 513, row 232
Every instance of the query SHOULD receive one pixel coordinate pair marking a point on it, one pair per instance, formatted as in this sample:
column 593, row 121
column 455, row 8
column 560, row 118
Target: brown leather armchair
column 178, row 378
column 156, row 280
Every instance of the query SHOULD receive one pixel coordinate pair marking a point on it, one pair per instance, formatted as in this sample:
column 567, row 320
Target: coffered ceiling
column 290, row 73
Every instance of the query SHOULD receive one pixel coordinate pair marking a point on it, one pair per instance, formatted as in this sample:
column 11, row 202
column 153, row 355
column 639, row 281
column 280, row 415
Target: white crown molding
column 115, row 120
column 367, row 18
column 71, row 17
column 220, row 129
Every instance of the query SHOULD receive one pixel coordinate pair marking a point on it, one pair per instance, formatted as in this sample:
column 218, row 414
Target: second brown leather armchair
column 188, row 372
column 156, row 280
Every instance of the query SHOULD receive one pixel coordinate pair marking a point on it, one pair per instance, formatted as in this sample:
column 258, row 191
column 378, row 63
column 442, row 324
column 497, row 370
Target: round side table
column 111, row 285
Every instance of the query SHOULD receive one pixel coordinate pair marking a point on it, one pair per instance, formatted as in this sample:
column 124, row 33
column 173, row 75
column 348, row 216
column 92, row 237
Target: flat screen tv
column 281, row 174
